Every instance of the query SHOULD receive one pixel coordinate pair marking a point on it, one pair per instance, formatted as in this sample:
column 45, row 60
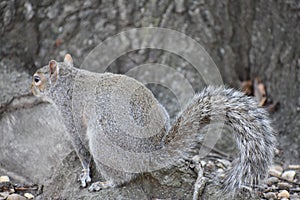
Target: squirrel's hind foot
column 100, row 185
column 84, row 177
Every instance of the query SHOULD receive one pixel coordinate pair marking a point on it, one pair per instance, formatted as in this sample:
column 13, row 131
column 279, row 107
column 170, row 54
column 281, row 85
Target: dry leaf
column 247, row 87
column 260, row 92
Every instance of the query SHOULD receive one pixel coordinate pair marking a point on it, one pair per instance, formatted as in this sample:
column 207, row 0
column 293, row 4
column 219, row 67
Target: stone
column 44, row 150
column 196, row 159
column 28, row 196
column 278, row 168
column 210, row 165
column 289, row 175
column 220, row 173
column 270, row 195
column 275, row 170
column 4, row 179
column 220, row 165
column 15, row 197
column 271, row 180
column 203, row 163
column 295, row 167
column 283, row 194
column 225, row 162
column 284, row 186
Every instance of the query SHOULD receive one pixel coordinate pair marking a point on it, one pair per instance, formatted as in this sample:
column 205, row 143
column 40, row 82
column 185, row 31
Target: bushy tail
column 252, row 131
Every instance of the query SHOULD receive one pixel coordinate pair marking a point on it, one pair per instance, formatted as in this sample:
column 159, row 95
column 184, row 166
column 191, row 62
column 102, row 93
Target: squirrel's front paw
column 100, row 185
column 84, row 177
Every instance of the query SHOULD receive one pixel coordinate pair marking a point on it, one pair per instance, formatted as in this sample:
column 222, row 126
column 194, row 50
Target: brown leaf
column 260, row 91
column 247, row 87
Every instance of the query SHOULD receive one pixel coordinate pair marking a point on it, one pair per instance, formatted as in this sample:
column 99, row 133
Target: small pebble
column 220, row 173
column 278, row 168
column 220, row 165
column 274, row 172
column 284, row 186
column 295, row 167
column 272, row 180
column 277, row 151
column 28, row 196
column 283, row 194
column 273, row 187
column 270, row 195
column 297, row 189
column 4, row 179
column 196, row 159
column 226, row 163
column 210, row 165
column 289, row 175
column 15, row 197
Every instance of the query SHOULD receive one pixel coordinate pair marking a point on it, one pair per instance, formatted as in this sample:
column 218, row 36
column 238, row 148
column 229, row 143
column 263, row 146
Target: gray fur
column 102, row 109
column 252, row 129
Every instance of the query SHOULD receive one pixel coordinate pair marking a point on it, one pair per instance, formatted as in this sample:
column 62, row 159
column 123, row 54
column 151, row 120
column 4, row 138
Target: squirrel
column 106, row 114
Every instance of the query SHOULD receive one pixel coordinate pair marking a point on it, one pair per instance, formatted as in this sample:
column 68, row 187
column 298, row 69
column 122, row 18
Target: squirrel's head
column 47, row 76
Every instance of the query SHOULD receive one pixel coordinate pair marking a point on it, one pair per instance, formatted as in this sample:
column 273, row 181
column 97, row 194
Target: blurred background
column 247, row 40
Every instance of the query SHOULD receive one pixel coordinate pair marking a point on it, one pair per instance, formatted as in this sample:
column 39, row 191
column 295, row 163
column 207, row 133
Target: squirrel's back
column 121, row 108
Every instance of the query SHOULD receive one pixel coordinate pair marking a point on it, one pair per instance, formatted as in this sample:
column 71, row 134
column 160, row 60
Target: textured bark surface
column 246, row 39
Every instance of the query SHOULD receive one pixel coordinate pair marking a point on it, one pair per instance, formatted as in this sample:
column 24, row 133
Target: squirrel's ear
column 53, row 68
column 68, row 60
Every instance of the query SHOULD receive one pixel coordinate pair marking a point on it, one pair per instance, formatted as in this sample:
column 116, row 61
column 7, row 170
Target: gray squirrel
column 109, row 114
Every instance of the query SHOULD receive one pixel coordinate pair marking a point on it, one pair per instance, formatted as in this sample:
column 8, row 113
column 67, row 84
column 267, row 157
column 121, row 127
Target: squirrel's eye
column 36, row 79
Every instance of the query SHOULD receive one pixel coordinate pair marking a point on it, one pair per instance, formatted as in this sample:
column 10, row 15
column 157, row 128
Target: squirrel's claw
column 100, row 185
column 84, row 177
